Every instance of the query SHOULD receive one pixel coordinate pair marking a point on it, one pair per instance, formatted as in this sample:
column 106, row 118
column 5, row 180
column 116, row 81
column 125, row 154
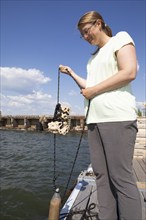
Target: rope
column 86, row 213
column 54, row 172
column 54, row 176
column 86, row 208
column 78, row 147
column 58, row 93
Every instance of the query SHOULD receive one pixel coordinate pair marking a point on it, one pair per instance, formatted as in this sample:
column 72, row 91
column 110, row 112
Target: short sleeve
column 121, row 39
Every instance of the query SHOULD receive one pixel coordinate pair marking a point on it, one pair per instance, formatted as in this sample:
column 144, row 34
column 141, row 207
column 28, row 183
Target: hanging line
column 76, row 155
column 54, row 172
column 78, row 148
column 58, row 93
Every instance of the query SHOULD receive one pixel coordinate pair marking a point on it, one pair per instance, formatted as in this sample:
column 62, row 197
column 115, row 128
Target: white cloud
column 23, row 93
column 73, row 93
column 18, row 80
column 77, row 110
column 138, row 66
column 37, row 103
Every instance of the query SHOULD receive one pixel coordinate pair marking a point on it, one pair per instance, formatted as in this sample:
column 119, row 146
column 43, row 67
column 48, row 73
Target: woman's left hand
column 89, row 92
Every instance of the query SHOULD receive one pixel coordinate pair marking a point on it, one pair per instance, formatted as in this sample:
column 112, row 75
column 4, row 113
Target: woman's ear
column 99, row 24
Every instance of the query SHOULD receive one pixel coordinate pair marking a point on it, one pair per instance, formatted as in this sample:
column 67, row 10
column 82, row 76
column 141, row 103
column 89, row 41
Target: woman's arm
column 79, row 80
column 127, row 65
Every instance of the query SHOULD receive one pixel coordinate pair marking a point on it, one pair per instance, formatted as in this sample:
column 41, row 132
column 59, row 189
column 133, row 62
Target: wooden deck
column 80, row 204
column 139, row 170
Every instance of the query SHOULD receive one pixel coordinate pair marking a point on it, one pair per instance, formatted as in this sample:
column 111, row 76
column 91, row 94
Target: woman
column 111, row 117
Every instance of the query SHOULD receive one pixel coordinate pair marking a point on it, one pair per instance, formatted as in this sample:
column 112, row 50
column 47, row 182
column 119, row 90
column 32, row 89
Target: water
column 26, row 171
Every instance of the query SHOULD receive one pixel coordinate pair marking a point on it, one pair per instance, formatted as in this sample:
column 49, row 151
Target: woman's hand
column 65, row 69
column 79, row 80
column 89, row 92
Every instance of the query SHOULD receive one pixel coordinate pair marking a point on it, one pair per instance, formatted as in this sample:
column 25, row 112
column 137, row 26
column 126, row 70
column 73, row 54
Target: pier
column 30, row 122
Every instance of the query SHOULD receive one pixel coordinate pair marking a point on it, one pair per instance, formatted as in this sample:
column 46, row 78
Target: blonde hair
column 91, row 17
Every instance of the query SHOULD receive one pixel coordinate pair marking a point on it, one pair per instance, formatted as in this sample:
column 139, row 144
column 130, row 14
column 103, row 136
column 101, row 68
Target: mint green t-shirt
column 116, row 105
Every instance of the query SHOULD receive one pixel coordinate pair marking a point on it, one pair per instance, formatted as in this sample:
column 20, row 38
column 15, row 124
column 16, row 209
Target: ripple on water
column 27, row 171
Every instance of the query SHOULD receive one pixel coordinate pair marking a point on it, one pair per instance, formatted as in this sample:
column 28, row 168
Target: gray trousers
column 111, row 151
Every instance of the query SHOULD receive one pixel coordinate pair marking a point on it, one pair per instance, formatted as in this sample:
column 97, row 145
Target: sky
column 39, row 35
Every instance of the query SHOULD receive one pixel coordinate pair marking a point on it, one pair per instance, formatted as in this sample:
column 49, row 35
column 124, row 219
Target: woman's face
column 90, row 32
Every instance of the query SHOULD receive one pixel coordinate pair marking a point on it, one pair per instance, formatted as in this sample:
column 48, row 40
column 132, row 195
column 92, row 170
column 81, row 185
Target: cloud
column 22, row 92
column 18, row 80
column 138, row 66
column 77, row 110
column 73, row 93
column 36, row 103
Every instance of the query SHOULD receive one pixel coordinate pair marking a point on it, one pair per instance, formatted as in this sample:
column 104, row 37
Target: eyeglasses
column 87, row 30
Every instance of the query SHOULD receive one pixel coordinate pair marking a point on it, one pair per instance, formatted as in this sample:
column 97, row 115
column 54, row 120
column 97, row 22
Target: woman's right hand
column 65, row 69
column 79, row 80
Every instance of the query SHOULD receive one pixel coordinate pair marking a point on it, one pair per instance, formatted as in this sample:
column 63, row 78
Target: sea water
column 27, row 170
